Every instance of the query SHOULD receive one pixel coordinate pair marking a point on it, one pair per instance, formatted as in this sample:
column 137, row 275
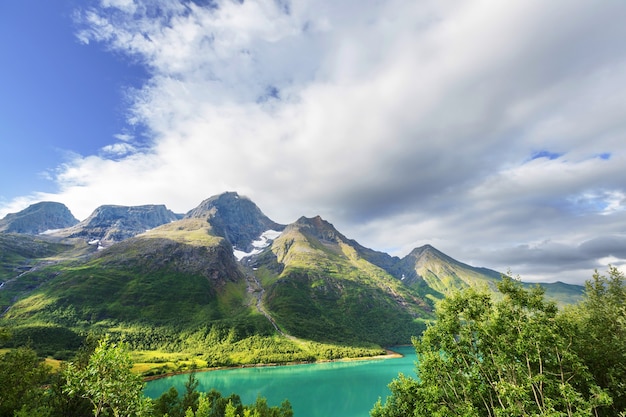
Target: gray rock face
column 108, row 224
column 235, row 218
column 151, row 255
column 38, row 218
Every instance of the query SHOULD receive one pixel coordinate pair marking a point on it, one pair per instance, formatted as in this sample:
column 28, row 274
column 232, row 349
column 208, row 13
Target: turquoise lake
column 332, row 389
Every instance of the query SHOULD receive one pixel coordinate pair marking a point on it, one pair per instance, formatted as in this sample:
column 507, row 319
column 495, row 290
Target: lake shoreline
column 389, row 354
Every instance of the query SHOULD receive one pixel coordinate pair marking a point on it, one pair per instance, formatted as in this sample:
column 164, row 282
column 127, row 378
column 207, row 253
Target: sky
column 494, row 131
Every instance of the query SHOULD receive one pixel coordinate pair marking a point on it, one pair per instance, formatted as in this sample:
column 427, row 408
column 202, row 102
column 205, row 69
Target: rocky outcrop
column 155, row 255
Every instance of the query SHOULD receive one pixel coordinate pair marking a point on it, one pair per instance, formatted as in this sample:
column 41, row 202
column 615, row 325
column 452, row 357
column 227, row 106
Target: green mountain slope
column 320, row 287
column 436, row 274
column 182, row 278
column 178, row 276
column 562, row 293
column 22, row 255
column 426, row 266
column 170, row 274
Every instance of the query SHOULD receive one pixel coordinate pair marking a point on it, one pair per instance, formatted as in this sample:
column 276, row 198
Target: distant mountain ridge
column 158, row 268
column 237, row 219
column 434, row 272
column 109, row 223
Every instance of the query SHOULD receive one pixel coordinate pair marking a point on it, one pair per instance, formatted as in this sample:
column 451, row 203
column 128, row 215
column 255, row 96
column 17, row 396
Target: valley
column 221, row 285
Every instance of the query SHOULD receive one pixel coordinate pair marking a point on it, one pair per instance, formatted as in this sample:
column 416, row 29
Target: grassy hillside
column 178, row 288
column 177, row 277
column 326, row 291
column 442, row 273
column 19, row 253
column 436, row 275
column 21, row 256
column 561, row 293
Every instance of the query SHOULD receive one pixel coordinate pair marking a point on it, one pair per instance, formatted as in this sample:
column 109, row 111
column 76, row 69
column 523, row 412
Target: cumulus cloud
column 494, row 131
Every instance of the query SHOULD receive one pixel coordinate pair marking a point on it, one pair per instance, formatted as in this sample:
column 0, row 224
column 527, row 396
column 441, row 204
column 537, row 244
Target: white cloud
column 128, row 6
column 124, row 137
column 118, row 149
column 402, row 122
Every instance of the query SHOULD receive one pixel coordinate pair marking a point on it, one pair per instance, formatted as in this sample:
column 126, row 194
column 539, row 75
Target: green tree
column 231, row 410
column 481, row 357
column 204, row 406
column 191, row 396
column 285, row 409
column 167, row 404
column 171, row 404
column 600, row 323
column 108, row 382
column 58, row 403
column 22, row 376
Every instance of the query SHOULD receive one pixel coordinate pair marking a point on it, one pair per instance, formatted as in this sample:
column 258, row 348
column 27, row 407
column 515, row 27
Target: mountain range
column 223, row 263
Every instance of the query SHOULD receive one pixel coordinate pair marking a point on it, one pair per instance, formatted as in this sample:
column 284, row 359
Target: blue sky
column 494, row 131
column 58, row 96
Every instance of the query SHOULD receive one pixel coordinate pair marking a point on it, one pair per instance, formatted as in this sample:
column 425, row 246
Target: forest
column 519, row 356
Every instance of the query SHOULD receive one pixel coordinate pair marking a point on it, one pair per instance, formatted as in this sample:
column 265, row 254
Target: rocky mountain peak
column 235, row 218
column 426, row 250
column 427, row 254
column 209, row 207
column 319, row 228
column 38, row 218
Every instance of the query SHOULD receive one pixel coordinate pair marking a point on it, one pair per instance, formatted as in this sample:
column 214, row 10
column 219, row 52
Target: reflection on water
column 333, row 389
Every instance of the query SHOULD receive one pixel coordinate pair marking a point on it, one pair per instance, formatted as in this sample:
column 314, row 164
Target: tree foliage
column 108, row 382
column 22, row 375
column 213, row 404
column 600, row 325
column 513, row 357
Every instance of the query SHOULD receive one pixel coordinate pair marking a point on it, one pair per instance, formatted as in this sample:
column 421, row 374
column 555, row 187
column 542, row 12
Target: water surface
column 333, row 389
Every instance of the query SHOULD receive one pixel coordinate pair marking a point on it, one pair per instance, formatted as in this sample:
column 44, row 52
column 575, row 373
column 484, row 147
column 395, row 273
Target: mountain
column 427, row 266
column 436, row 274
column 109, row 224
column 170, row 275
column 179, row 276
column 561, row 292
column 235, row 218
column 224, row 264
column 320, row 286
column 38, row 218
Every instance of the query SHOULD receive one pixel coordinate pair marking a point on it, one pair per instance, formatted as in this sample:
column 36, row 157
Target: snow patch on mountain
column 261, row 243
column 50, row 231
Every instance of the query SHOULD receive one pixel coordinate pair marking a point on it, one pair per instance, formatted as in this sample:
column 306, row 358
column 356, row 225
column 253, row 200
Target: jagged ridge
column 109, row 224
